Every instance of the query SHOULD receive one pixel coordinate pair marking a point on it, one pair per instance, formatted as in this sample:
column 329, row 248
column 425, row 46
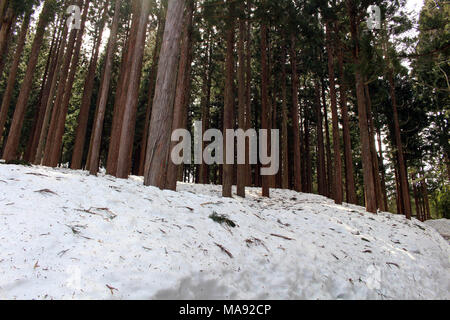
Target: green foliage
column 222, row 219
column 19, row 163
column 441, row 202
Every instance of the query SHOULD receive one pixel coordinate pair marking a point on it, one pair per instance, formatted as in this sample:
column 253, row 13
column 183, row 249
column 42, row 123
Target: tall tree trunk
column 33, row 141
column 12, row 144
column 206, row 101
column 416, row 198
column 403, row 175
column 295, row 120
column 241, row 168
column 47, row 97
column 3, row 7
column 308, row 161
column 131, row 92
column 338, row 190
column 151, row 88
column 83, row 117
column 96, row 136
column 398, row 193
column 7, row 95
column 369, row 181
column 248, row 72
column 385, row 207
column 330, row 181
column 119, row 103
column 181, row 94
column 228, row 112
column 64, row 107
column 348, row 159
column 425, row 197
column 6, row 29
column 375, row 160
column 285, row 135
column 321, row 171
column 158, row 146
column 49, row 144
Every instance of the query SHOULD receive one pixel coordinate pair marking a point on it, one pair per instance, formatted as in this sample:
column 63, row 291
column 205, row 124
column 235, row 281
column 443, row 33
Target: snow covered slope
column 65, row 235
column 442, row 226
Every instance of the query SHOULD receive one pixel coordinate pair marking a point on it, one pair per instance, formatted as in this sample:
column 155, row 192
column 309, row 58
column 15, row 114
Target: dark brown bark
column 12, row 144
column 338, row 190
column 49, row 144
column 134, row 66
column 419, row 213
column 308, row 160
column 369, row 181
column 49, row 93
column 228, row 112
column 297, row 179
column 427, row 215
column 206, row 101
column 321, row 171
column 151, row 88
column 329, row 166
column 83, row 117
column 64, row 107
column 7, row 95
column 96, row 136
column 180, row 103
column 265, row 112
column 158, row 146
column 403, row 175
column 348, row 159
column 3, row 7
column 241, row 168
column 119, row 103
column 375, row 160
column 8, row 22
column 248, row 72
column 30, row 154
column 284, row 127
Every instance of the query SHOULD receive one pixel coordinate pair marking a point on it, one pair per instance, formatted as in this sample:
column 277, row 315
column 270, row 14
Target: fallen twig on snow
column 111, row 289
column 282, row 237
column 224, row 250
column 46, row 191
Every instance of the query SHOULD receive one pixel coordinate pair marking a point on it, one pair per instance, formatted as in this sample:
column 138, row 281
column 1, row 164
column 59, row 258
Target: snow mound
column 67, row 235
column 442, row 226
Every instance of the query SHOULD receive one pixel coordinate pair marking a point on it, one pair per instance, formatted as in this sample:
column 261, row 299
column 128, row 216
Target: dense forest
column 363, row 111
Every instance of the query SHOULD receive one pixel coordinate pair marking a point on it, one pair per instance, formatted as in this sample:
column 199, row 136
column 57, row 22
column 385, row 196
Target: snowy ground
column 66, row 235
column 442, row 226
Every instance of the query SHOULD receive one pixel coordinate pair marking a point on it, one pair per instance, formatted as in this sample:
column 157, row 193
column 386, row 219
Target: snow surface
column 442, row 226
column 67, row 235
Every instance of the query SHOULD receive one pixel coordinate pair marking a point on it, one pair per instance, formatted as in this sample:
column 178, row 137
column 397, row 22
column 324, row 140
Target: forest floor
column 442, row 226
column 67, row 235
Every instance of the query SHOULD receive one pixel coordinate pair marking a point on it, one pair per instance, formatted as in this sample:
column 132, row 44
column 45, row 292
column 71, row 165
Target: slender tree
column 12, row 144
column 13, row 73
column 228, row 110
column 83, row 116
column 181, row 95
column 96, row 136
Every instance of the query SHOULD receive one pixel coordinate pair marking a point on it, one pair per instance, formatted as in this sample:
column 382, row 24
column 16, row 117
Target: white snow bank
column 442, row 226
column 65, row 235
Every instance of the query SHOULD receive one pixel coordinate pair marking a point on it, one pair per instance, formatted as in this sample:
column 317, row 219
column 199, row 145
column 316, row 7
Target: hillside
column 65, row 234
